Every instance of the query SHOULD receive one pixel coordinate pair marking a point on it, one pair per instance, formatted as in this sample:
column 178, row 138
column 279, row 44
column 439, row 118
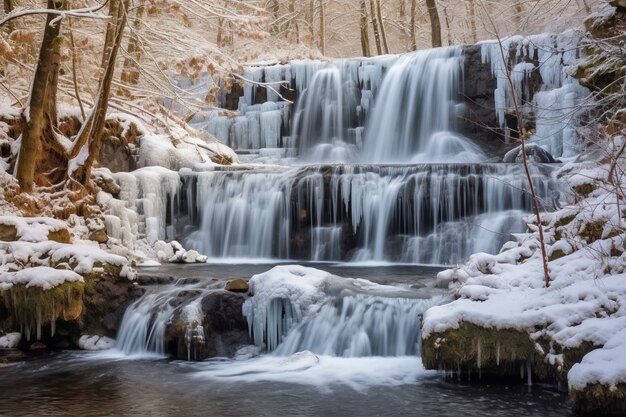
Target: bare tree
column 365, row 39
column 435, row 24
column 379, row 49
column 37, row 117
column 471, row 13
column 383, row 34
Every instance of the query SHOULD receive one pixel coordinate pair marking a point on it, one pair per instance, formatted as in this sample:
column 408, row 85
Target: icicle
column 39, row 321
column 498, row 353
column 529, row 373
column 478, row 354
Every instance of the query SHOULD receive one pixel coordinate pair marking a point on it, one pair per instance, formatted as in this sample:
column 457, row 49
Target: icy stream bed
column 279, row 383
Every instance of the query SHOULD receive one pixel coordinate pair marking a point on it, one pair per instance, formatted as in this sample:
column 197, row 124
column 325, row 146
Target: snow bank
column 604, row 366
column 81, row 257
column 42, row 276
column 33, row 229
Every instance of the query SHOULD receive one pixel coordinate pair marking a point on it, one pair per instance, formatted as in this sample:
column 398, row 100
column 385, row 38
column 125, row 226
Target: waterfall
column 297, row 309
column 413, row 116
column 430, row 214
column 144, row 327
column 371, row 163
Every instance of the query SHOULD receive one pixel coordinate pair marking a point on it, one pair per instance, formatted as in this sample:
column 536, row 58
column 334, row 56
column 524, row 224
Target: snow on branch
column 86, row 12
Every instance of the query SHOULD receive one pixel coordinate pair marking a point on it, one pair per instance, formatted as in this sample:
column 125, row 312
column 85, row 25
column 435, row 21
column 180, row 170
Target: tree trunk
column 293, row 21
column 365, row 38
column 8, row 8
column 130, row 71
column 109, row 37
column 412, row 28
column 435, row 24
column 379, row 50
column 311, row 18
column 322, row 34
column 91, row 132
column 382, row 27
column 446, row 16
column 471, row 11
column 35, row 116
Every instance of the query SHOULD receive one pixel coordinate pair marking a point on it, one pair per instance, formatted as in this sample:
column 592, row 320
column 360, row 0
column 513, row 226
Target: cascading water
column 417, row 190
column 413, row 117
column 430, row 214
column 297, row 309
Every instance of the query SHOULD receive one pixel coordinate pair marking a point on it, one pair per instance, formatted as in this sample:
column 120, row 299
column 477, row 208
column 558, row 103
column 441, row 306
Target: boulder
column 223, row 329
column 237, row 285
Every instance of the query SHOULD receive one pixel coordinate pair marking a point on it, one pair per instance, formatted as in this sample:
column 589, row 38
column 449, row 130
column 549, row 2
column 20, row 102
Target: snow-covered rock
column 95, row 343
column 10, row 340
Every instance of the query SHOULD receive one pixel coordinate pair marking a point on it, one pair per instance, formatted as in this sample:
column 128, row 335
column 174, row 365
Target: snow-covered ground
column 585, row 303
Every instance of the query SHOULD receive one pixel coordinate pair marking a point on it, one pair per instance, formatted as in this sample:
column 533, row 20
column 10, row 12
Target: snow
column 586, row 299
column 95, row 343
column 83, row 255
column 43, row 277
column 33, row 229
column 604, row 366
column 10, row 340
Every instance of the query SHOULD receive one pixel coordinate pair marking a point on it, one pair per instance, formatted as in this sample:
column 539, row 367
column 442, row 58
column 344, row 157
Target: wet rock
column 37, row 346
column 222, row 331
column 237, row 285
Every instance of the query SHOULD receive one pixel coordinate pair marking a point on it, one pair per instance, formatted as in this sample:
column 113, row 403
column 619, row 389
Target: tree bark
column 382, row 27
column 36, row 115
column 311, row 18
column 8, row 8
column 412, row 28
column 322, row 34
column 379, row 49
column 435, row 24
column 109, row 37
column 130, row 71
column 471, row 11
column 446, row 16
column 365, row 39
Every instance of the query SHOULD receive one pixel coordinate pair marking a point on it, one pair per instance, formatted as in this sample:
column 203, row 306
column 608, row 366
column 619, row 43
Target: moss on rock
column 598, row 399
column 494, row 351
column 34, row 306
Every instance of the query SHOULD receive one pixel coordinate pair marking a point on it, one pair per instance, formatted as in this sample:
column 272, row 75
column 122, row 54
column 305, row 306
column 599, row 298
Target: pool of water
column 88, row 384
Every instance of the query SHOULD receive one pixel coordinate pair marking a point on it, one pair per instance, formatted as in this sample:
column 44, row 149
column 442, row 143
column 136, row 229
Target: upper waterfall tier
column 450, row 104
column 413, row 119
